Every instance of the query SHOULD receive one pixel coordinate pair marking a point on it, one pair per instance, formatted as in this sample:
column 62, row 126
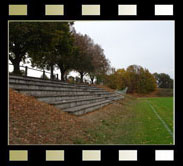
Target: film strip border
column 90, row 155
column 91, row 10
column 47, row 156
column 87, row 9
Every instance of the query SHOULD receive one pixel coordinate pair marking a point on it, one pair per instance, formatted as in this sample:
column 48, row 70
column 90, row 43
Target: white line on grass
column 162, row 121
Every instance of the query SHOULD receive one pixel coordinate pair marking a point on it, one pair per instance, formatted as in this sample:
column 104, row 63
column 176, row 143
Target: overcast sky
column 146, row 43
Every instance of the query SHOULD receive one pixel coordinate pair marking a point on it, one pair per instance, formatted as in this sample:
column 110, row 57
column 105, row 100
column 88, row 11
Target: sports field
column 140, row 121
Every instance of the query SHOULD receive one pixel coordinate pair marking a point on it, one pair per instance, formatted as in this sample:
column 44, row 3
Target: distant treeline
column 137, row 79
column 56, row 45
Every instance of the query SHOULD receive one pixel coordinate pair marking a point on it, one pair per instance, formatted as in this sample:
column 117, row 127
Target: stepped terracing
column 72, row 98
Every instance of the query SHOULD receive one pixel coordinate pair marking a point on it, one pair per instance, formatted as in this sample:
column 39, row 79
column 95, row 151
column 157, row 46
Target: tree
column 146, row 83
column 139, row 80
column 115, row 80
column 132, row 77
column 50, row 41
column 65, row 53
column 83, row 45
column 163, row 80
column 136, row 78
column 42, row 55
column 19, row 43
column 90, row 58
column 99, row 62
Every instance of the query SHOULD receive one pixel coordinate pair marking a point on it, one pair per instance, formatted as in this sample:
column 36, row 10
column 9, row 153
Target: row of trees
column 51, row 45
column 137, row 79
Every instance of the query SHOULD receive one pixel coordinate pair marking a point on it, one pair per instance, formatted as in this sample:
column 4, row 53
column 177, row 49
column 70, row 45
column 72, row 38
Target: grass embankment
column 128, row 121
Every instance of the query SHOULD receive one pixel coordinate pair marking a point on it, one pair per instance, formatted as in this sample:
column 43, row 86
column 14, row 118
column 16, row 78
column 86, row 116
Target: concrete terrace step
column 77, row 103
column 53, row 98
column 34, row 92
column 79, row 110
column 28, row 85
column 73, row 103
column 33, row 80
column 14, row 83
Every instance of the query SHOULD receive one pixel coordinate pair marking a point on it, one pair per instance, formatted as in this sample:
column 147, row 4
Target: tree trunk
column 16, row 62
column 62, row 75
column 16, row 65
column 52, row 75
column 65, row 77
column 92, row 79
column 81, row 76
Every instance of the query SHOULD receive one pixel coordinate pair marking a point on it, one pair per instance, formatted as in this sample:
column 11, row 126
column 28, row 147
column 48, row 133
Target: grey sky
column 146, row 43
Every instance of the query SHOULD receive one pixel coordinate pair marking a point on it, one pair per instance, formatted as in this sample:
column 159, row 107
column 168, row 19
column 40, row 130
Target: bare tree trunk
column 52, row 75
column 16, row 65
column 92, row 79
column 81, row 76
column 65, row 76
column 16, row 62
column 62, row 75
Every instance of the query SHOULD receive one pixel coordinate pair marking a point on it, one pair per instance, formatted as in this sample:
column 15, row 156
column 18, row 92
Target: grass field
column 128, row 121
column 139, row 125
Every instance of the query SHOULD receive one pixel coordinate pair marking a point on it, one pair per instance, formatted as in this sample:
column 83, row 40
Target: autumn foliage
column 136, row 78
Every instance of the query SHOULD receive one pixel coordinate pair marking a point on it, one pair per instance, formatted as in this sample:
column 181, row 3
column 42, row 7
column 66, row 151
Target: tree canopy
column 136, row 78
column 90, row 57
column 52, row 45
column 19, row 43
column 163, row 80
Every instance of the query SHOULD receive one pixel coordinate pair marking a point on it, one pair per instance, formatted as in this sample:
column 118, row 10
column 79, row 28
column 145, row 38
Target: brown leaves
column 34, row 122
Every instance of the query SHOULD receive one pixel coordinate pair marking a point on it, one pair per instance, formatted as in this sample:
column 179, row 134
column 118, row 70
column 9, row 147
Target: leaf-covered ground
column 128, row 121
column 34, row 122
